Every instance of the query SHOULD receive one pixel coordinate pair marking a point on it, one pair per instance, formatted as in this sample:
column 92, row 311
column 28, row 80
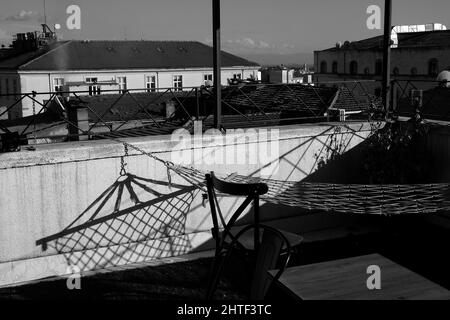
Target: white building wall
column 42, row 82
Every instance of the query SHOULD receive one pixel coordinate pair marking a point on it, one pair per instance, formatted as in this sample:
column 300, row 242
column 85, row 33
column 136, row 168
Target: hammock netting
column 344, row 198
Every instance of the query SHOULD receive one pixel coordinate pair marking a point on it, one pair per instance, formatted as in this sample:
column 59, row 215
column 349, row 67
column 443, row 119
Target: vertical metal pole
column 217, row 64
column 197, row 105
column 387, row 55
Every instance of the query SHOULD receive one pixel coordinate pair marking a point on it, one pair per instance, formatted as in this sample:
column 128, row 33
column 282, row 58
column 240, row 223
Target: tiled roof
column 302, row 100
column 352, row 101
column 100, row 55
column 134, row 106
column 406, row 40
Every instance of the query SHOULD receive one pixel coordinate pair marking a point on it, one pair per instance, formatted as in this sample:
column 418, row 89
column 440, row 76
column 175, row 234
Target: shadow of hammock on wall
column 132, row 221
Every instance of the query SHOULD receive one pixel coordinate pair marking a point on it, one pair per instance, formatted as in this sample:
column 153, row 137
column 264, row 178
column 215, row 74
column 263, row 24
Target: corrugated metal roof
column 123, row 55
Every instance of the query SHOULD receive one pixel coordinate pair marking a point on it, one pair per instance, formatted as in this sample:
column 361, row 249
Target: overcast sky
column 251, row 26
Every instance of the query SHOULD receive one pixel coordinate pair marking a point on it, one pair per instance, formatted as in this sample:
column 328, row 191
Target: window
column 94, row 88
column 335, row 67
column 433, row 67
column 379, row 67
column 207, row 78
column 353, row 68
column 414, row 71
column 122, row 84
column 178, row 83
column 58, row 85
column 323, row 67
column 150, row 83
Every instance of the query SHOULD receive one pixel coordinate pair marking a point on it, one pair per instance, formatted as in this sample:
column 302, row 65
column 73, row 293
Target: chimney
column 78, row 117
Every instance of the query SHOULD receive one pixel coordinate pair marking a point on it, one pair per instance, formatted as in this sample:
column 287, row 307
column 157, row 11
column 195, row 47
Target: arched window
column 323, row 67
column 414, row 71
column 335, row 67
column 378, row 67
column 396, row 71
column 353, row 67
column 433, row 67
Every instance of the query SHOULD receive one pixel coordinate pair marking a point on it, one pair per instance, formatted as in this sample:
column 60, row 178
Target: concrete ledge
column 103, row 149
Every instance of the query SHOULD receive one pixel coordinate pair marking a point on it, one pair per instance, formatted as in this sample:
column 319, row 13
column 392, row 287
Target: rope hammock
column 344, row 198
column 387, row 200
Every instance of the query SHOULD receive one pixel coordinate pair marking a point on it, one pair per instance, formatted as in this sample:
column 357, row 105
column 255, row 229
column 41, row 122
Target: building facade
column 416, row 54
column 94, row 67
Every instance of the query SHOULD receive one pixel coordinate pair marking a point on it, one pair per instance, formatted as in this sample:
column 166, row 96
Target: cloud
column 24, row 16
column 248, row 43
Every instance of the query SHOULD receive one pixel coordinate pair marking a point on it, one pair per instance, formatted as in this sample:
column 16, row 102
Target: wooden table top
column 347, row 280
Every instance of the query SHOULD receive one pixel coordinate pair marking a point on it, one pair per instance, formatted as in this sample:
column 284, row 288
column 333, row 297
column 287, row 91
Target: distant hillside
column 277, row 59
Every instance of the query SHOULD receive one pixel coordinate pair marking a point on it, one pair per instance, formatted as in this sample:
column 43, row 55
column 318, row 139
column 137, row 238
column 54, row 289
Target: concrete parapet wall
column 45, row 191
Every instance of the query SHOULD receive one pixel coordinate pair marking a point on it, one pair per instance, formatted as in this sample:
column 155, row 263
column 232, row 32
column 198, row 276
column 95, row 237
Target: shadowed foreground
column 178, row 281
column 407, row 240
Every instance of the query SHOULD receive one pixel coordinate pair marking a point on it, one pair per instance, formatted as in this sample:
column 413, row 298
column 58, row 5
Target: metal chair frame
column 225, row 241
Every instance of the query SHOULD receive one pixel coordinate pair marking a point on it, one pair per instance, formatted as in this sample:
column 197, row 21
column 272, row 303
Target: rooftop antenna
column 45, row 13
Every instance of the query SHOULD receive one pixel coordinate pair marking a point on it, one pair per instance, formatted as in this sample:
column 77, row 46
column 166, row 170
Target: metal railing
column 74, row 115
